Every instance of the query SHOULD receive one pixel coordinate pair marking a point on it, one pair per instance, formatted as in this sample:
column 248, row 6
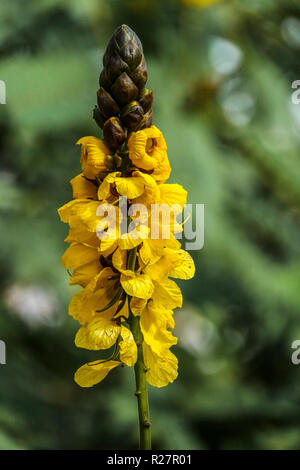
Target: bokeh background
column 221, row 75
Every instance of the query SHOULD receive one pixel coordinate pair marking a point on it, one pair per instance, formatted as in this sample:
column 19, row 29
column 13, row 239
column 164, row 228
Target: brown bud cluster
column 123, row 102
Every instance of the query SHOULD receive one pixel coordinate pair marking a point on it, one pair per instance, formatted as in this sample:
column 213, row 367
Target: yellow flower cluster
column 125, row 275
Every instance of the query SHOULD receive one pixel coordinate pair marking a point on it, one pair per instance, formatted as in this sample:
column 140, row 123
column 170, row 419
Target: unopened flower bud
column 146, row 99
column 140, row 75
column 114, row 134
column 124, row 90
column 98, row 117
column 132, row 53
column 126, row 43
column 106, row 103
column 114, row 65
column 132, row 115
column 104, row 81
column 125, row 71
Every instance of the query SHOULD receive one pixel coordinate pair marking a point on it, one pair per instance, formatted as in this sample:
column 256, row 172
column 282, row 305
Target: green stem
column 140, row 371
column 141, row 388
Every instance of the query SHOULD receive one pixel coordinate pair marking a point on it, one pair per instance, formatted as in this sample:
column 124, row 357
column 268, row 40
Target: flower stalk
column 141, row 387
column 140, row 370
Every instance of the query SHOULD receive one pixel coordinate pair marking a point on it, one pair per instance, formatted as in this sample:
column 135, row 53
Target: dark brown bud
column 98, row 117
column 104, row 81
column 114, row 66
column 147, row 120
column 114, row 134
column 146, row 99
column 140, row 75
column 132, row 54
column 106, row 103
column 121, row 82
column 125, row 70
column 132, row 115
column 124, row 89
column 127, row 44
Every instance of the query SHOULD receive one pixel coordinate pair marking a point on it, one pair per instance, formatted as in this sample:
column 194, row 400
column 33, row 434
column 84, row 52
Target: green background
column 222, row 80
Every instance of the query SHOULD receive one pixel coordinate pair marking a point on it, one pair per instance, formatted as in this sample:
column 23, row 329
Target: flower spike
column 124, row 260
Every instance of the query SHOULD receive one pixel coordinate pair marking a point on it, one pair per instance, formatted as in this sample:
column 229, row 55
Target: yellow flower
column 153, row 296
column 137, row 285
column 102, row 334
column 80, row 213
column 133, row 237
column 128, row 348
column 173, row 263
column 93, row 156
column 137, row 306
column 151, row 250
column 139, row 187
column 84, row 215
column 83, row 188
column 81, row 235
column 92, row 373
column 167, row 293
column 148, row 151
column 155, row 323
column 161, row 370
column 84, row 260
column 96, row 295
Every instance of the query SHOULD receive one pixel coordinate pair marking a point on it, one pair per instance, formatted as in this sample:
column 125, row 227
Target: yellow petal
column 108, row 246
column 131, row 187
column 93, row 153
column 65, row 211
column 81, row 235
column 182, row 264
column 151, row 193
column 137, row 285
column 104, row 189
column 100, row 333
column 84, row 214
column 84, row 304
column 134, row 237
column 77, row 255
column 167, row 294
column 162, row 172
column 82, row 188
column 119, row 261
column 172, row 194
column 174, row 263
column 137, row 306
column 155, row 321
column 83, row 274
column 162, row 370
column 105, row 278
column 146, row 254
column 92, row 373
column 128, row 348
column 81, row 213
column 146, row 148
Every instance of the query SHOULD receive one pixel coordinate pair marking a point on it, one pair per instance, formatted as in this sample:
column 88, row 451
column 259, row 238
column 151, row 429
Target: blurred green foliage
column 222, row 81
